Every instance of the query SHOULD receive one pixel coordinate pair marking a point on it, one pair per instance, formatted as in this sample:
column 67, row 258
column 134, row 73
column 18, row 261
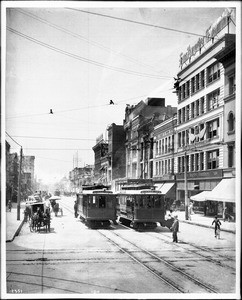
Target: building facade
column 201, row 147
column 139, row 125
column 164, row 156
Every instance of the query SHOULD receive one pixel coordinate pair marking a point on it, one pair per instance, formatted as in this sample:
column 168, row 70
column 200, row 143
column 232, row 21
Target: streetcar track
column 64, row 280
column 213, row 260
column 206, row 249
column 155, row 272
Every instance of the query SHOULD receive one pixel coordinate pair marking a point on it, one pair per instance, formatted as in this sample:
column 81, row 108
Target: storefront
column 198, row 182
column 215, row 201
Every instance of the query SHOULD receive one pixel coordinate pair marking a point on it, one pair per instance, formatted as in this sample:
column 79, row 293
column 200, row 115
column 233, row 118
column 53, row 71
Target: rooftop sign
column 211, row 32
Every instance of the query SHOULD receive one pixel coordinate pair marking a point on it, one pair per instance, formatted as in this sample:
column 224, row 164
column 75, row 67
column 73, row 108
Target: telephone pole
column 19, row 184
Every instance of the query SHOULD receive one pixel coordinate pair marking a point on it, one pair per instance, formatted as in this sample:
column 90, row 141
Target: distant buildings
column 12, row 175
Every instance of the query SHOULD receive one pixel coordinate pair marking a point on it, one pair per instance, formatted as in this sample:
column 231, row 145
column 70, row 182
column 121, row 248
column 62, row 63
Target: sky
column 74, row 57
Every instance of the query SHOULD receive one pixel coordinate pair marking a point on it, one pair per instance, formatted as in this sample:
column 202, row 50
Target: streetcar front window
column 102, row 202
column 157, row 202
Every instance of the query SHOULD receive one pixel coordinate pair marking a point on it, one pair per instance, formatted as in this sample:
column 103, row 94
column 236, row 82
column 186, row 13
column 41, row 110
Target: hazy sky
column 73, row 62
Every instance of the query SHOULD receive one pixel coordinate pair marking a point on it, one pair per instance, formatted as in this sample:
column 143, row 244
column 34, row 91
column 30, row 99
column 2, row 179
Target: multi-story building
column 201, row 151
column 100, row 161
column 28, row 175
column 81, row 176
column 164, row 154
column 116, row 153
column 139, row 124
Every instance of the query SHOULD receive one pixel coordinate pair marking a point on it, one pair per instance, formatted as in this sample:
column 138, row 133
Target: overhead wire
column 78, row 36
column 93, row 62
column 51, row 138
column 137, row 22
column 12, row 139
column 73, row 109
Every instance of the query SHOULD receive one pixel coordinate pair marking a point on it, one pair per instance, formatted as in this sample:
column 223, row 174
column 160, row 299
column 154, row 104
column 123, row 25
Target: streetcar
column 96, row 206
column 141, row 208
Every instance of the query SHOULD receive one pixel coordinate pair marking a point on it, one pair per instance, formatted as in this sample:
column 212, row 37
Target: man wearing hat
column 175, row 228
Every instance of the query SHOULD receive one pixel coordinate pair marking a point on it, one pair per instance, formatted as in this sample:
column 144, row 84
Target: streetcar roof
column 138, row 192
column 89, row 192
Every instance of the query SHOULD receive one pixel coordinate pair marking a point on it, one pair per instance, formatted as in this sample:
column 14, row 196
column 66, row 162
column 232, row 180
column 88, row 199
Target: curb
column 17, row 232
column 207, row 226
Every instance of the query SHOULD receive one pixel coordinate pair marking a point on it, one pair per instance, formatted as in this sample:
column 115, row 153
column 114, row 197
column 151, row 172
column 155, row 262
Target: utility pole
column 19, row 184
column 185, row 187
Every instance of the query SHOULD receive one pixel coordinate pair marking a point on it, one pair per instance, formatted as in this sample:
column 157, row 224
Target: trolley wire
column 80, row 58
column 78, row 36
column 138, row 22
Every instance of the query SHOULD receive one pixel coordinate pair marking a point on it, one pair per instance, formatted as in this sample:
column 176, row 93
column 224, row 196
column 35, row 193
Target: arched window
column 231, row 121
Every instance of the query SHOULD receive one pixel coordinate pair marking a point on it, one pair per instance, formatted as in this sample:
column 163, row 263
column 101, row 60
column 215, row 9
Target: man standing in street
column 75, row 209
column 175, row 229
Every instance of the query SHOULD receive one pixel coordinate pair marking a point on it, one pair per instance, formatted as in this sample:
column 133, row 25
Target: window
column 159, row 146
column 187, row 136
column 230, row 156
column 197, row 82
column 213, row 72
column 231, row 84
column 179, row 116
column 183, row 91
column 179, row 164
column 197, row 108
column 192, row 110
column 196, row 162
column 202, row 79
column 183, row 114
column 213, row 128
column 179, row 139
column 183, row 138
column 212, row 99
column 187, row 159
column 193, row 85
column 192, row 162
column 213, row 159
column 201, row 161
column 187, row 112
column 202, row 105
column 231, row 122
column 188, row 88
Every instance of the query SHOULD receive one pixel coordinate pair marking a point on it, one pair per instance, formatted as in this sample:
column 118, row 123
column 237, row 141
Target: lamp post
column 185, row 187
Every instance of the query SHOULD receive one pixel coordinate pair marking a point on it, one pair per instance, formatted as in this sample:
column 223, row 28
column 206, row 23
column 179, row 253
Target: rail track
column 173, row 276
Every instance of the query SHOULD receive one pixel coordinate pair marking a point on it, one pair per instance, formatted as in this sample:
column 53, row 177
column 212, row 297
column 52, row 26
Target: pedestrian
column 56, row 209
column 217, row 227
column 26, row 213
column 175, row 229
column 47, row 214
column 75, row 209
column 189, row 212
column 192, row 211
column 226, row 215
column 9, row 205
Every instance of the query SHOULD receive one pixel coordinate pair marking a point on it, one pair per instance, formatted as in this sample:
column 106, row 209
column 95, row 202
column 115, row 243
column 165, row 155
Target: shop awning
column 165, row 187
column 201, row 196
column 224, row 191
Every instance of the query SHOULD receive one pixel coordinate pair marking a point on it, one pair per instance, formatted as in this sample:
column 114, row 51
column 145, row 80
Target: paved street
column 73, row 259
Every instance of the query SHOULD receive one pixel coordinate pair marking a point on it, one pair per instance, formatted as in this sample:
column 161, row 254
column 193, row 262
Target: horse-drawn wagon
column 39, row 216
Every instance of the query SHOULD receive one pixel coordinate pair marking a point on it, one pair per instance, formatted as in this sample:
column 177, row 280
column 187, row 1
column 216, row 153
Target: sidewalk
column 13, row 226
column 204, row 221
